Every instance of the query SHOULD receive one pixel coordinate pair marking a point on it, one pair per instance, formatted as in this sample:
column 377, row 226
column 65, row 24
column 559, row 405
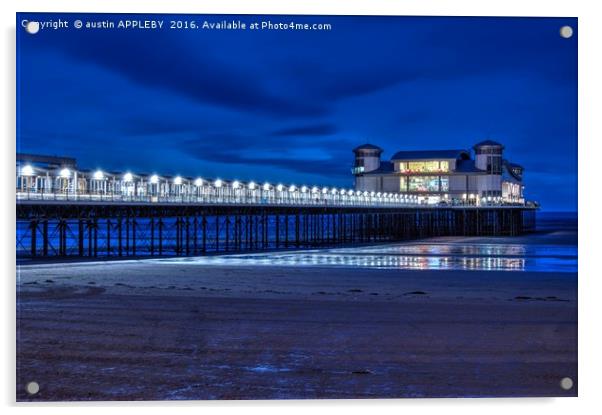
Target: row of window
column 423, row 166
column 424, row 184
column 488, row 150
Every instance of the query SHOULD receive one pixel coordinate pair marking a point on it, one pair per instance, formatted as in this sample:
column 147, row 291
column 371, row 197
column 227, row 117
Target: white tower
column 367, row 158
column 488, row 157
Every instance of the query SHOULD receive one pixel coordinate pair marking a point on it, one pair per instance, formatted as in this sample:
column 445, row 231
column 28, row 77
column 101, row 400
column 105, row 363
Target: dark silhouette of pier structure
column 131, row 230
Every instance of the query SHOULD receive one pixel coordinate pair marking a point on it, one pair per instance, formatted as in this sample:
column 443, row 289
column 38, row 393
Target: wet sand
column 179, row 330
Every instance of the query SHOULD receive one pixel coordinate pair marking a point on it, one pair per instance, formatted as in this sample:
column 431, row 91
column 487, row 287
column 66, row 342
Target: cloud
column 307, row 130
column 297, row 154
column 161, row 61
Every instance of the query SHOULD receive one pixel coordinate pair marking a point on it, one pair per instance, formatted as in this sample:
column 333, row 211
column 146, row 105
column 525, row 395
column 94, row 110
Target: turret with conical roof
column 367, row 158
column 488, row 156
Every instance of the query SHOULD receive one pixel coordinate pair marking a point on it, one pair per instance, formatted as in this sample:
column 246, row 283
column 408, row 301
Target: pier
column 65, row 212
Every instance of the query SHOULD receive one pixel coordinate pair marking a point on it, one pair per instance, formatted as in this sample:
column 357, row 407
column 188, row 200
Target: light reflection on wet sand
column 415, row 256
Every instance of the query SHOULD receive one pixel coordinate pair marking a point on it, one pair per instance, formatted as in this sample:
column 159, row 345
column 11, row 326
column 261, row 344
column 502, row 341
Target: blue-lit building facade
column 442, row 176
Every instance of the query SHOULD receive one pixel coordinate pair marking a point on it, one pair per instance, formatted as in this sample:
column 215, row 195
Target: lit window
column 424, row 183
column 425, row 166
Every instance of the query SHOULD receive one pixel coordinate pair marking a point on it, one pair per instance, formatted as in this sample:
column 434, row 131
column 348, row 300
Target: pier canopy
column 63, row 182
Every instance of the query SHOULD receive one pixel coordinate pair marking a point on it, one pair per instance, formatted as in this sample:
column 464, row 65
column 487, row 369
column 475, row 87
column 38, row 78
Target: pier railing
column 269, row 198
column 259, row 198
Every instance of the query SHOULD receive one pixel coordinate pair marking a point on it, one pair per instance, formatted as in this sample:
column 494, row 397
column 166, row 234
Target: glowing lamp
column 27, row 170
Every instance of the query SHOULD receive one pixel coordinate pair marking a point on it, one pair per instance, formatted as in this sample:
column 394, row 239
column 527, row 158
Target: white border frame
column 590, row 139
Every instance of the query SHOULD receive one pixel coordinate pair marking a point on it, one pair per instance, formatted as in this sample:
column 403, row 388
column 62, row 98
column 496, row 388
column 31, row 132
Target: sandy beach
column 183, row 329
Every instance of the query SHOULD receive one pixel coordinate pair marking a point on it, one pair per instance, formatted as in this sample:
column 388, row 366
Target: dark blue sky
column 287, row 106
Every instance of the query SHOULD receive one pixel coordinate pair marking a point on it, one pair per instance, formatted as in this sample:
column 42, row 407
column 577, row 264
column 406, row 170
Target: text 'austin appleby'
column 124, row 24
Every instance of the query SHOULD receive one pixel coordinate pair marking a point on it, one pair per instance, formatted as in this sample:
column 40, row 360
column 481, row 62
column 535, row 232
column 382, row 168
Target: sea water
column 552, row 248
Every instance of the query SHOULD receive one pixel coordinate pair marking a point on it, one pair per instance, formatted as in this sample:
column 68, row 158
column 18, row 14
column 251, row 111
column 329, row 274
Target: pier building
column 442, row 176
